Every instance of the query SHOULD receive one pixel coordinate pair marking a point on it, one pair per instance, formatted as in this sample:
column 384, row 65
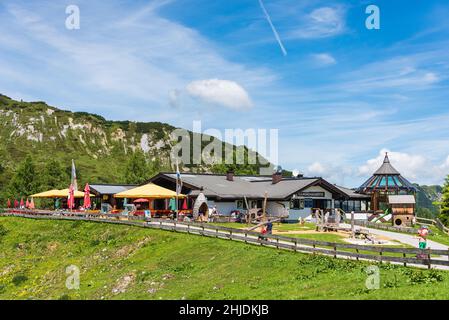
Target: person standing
column 269, row 227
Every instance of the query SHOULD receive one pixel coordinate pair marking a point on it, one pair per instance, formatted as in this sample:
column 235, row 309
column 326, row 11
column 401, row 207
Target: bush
column 19, row 279
column 420, row 277
column 3, row 230
column 94, row 243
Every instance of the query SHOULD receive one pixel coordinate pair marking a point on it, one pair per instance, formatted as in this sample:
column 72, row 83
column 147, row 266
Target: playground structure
column 331, row 221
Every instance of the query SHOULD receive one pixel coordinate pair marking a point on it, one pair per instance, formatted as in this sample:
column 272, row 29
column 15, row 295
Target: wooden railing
column 437, row 223
column 385, row 227
column 405, row 256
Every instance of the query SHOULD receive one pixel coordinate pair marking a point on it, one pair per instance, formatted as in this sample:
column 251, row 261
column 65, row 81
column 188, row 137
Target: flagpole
column 177, row 190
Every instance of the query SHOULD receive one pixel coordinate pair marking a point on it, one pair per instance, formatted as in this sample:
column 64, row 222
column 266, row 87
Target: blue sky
column 341, row 96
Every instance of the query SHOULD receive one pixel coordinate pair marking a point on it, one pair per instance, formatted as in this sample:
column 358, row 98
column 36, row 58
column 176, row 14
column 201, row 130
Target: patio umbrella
column 71, row 197
column 27, row 204
column 8, row 204
column 141, row 200
column 31, row 206
column 172, row 204
column 184, row 204
column 21, row 203
column 86, row 196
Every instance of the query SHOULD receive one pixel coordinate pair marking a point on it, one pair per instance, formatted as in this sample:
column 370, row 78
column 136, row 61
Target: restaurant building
column 289, row 197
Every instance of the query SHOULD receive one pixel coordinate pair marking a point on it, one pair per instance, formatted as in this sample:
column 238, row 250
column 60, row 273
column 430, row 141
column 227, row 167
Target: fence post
column 335, row 251
column 428, row 257
column 357, row 251
column 404, row 256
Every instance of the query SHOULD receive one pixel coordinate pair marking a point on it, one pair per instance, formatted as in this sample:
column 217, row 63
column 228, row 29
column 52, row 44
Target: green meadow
column 124, row 262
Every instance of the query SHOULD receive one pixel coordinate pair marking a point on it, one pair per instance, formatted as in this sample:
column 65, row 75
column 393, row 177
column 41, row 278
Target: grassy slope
column 165, row 265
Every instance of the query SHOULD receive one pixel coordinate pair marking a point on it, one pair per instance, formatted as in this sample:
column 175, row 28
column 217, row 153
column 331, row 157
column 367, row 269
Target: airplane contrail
column 273, row 28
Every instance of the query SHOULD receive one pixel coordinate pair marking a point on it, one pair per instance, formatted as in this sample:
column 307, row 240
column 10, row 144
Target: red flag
column 27, row 204
column 31, row 206
column 71, row 198
column 184, row 204
column 21, row 203
column 8, row 204
column 16, row 203
column 87, row 196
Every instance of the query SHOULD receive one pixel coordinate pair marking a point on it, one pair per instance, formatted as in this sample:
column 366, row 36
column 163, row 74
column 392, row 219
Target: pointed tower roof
column 387, row 168
column 386, row 179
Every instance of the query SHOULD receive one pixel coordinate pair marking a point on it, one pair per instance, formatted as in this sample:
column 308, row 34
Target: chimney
column 230, row 175
column 276, row 177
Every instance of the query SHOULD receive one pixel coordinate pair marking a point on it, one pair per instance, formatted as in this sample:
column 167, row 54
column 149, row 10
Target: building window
column 240, row 204
column 297, row 204
column 308, row 203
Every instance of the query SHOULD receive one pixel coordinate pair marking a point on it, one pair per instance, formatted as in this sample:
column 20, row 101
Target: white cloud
column 316, row 168
column 322, row 23
column 221, row 92
column 126, row 60
column 331, row 172
column 324, row 59
column 174, row 98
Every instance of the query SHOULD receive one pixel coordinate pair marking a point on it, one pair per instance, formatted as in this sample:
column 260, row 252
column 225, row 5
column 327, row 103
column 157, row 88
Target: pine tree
column 24, row 181
column 137, row 170
column 54, row 176
column 444, row 205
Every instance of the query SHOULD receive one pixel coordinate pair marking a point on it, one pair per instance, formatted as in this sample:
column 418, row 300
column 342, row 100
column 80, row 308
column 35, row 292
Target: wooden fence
column 437, row 223
column 385, row 227
column 405, row 256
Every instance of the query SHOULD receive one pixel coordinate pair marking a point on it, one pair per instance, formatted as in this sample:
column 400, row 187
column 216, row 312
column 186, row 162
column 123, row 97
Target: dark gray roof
column 351, row 193
column 386, row 168
column 110, row 188
column 386, row 178
column 246, row 186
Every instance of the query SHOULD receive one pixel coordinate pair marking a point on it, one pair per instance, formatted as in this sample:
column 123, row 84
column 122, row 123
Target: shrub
column 3, row 231
column 419, row 277
column 19, row 279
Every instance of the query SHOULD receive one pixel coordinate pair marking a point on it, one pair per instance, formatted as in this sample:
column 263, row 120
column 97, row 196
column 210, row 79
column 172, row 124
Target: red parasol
column 8, row 203
column 184, row 204
column 21, row 203
column 16, row 203
column 27, row 204
column 86, row 196
column 141, row 200
column 31, row 206
column 71, row 198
